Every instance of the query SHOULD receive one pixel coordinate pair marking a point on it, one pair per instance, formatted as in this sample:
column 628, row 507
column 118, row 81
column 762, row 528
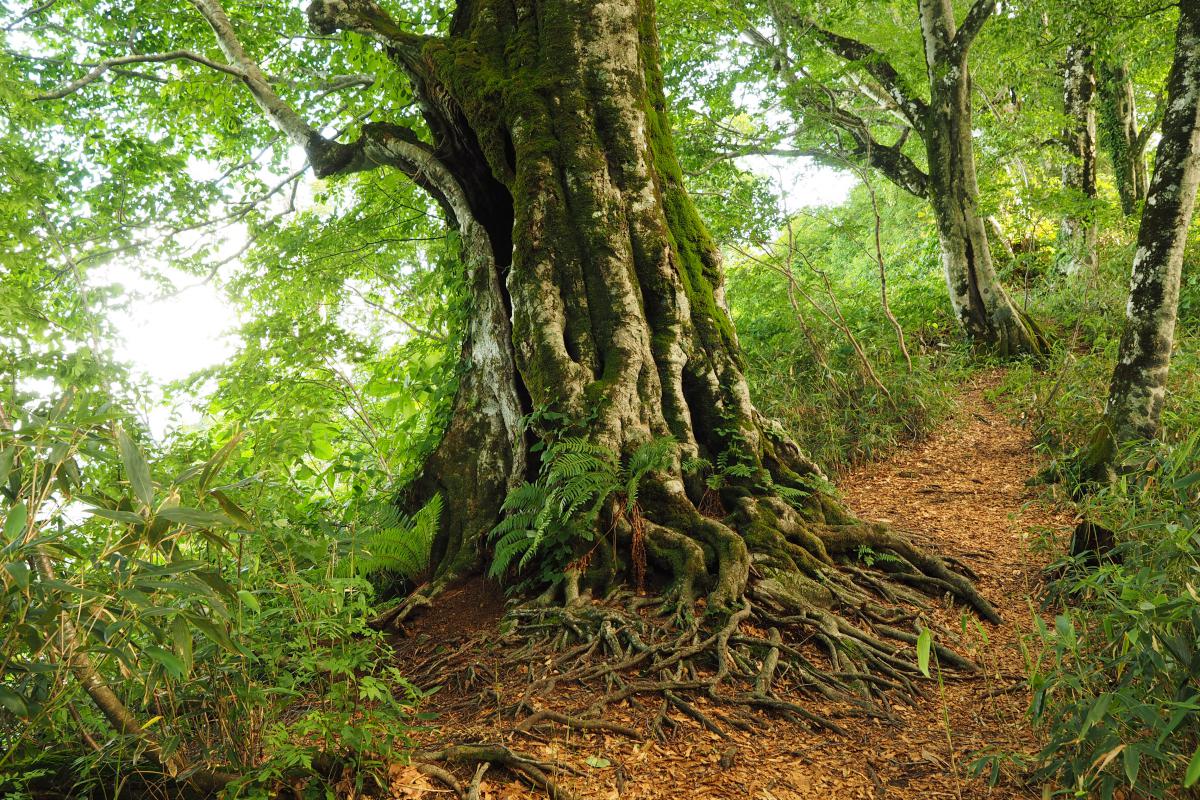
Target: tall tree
column 1126, row 144
column 1139, row 381
column 875, row 95
column 1079, row 171
column 596, row 303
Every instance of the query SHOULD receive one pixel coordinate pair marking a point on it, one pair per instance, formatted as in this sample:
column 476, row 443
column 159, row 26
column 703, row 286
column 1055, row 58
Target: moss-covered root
column 1018, row 334
column 915, row 566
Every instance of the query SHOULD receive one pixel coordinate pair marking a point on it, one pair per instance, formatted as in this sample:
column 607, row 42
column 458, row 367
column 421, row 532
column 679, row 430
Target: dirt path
column 961, row 493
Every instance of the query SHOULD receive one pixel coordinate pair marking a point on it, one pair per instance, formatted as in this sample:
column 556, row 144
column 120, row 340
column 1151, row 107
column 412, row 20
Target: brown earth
column 962, row 492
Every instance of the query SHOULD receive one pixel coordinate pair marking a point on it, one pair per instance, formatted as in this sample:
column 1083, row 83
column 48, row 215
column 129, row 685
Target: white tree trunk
column 1078, row 235
column 1140, row 377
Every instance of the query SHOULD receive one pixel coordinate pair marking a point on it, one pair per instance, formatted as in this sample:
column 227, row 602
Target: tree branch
column 368, row 18
column 979, row 13
column 279, row 112
column 914, row 109
column 111, row 63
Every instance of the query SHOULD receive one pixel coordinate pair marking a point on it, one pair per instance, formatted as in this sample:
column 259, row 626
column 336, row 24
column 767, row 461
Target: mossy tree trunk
column 1126, row 145
column 980, row 302
column 1139, row 380
column 612, row 284
column 1078, row 233
column 595, row 292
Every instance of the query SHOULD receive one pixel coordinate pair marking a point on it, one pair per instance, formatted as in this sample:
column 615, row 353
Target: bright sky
column 170, row 338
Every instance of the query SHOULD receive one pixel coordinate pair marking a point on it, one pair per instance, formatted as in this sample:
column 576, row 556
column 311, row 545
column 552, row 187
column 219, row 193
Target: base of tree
column 841, row 622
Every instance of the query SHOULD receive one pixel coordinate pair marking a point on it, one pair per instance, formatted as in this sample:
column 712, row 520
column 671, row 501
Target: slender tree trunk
column 1139, row 380
column 1126, row 146
column 980, row 301
column 1078, row 233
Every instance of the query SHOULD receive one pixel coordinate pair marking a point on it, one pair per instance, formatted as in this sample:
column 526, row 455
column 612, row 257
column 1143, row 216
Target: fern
column 577, row 478
column 655, row 455
column 394, row 542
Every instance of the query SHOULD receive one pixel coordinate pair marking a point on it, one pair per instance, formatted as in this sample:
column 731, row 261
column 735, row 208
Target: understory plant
column 1115, row 679
column 555, row 516
column 153, row 631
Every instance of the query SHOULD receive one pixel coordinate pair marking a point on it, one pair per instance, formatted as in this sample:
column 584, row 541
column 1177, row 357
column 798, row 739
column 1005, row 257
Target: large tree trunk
column 980, row 301
column 1079, row 172
column 1126, row 146
column 1139, row 380
column 597, row 294
column 614, row 286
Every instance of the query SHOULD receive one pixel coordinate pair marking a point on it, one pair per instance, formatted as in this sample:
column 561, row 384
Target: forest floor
column 961, row 492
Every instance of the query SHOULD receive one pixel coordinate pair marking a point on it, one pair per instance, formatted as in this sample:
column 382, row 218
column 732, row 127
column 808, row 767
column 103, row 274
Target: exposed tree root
column 482, row 755
column 751, row 613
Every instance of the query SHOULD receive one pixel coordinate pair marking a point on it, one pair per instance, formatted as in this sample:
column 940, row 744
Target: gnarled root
column 752, row 612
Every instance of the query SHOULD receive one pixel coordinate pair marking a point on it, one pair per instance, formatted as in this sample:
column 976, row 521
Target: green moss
column 699, row 267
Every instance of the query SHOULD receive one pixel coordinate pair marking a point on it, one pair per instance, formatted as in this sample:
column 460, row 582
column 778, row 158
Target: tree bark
column 980, row 301
column 1126, row 145
column 1078, row 234
column 596, row 293
column 1139, row 380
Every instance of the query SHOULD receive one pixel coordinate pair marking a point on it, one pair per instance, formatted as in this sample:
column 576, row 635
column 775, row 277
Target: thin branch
column 109, row 63
column 978, row 15
column 914, row 109
column 30, row 13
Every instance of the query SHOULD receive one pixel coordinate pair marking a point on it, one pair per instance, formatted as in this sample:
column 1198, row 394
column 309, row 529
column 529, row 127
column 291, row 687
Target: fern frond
column 507, row 548
column 394, row 542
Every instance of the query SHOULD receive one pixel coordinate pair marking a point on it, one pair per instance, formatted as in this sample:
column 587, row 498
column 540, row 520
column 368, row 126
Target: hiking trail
column 961, row 492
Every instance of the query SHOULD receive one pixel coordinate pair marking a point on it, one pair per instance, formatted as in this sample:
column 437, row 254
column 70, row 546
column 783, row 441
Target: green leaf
column 13, row 702
column 195, row 517
column 116, row 515
column 19, row 572
column 1095, row 713
column 213, row 466
column 1193, row 770
column 14, row 523
column 1132, row 761
column 233, row 510
column 181, row 637
column 924, row 644
column 249, row 600
column 136, row 468
column 6, row 461
column 172, row 663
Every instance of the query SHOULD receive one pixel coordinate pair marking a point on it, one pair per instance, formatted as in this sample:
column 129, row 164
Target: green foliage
column 815, row 382
column 391, row 542
column 1115, row 678
column 155, row 576
column 550, row 517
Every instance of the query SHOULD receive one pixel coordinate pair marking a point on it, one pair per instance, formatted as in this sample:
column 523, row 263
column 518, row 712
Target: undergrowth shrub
column 228, row 648
column 827, row 399
column 1115, row 679
column 1116, row 676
